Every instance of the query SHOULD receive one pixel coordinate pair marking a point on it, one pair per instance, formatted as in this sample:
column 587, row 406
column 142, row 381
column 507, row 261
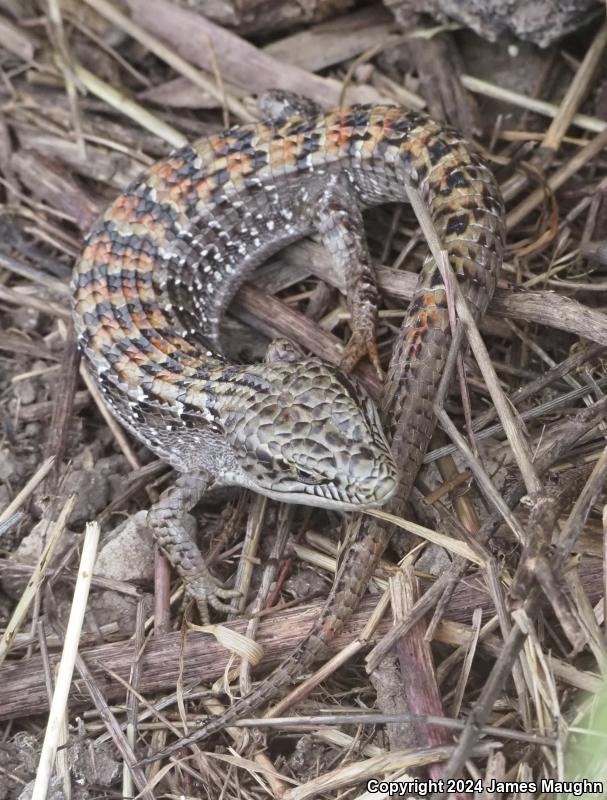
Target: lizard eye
column 309, row 478
column 302, row 475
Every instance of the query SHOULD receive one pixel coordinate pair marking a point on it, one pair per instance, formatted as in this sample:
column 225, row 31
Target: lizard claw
column 362, row 343
column 207, row 590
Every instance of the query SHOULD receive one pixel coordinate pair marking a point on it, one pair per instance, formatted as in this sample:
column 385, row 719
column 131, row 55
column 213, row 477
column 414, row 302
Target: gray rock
column 128, row 554
column 540, row 21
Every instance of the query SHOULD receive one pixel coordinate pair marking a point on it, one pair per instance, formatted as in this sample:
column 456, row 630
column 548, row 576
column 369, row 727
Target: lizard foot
column 207, row 590
column 362, row 343
column 174, row 530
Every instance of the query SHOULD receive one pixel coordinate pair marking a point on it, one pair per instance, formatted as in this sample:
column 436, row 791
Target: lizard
column 159, row 268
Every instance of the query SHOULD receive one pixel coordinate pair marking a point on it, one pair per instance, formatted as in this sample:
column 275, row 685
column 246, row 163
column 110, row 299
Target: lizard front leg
column 338, row 219
column 173, row 529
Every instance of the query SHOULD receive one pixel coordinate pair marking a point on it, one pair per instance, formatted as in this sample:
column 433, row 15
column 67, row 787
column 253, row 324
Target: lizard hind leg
column 338, row 220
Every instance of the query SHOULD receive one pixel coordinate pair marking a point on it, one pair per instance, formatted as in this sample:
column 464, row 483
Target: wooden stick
column 66, row 667
column 23, row 689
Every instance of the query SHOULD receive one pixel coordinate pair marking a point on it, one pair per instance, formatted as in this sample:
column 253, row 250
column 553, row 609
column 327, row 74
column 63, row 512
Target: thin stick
column 66, row 666
column 36, row 479
column 512, row 427
column 131, row 108
column 495, row 682
column 592, row 124
column 508, row 417
column 31, row 590
column 65, row 60
column 577, row 91
column 170, row 57
column 557, row 179
column 372, row 718
column 119, row 434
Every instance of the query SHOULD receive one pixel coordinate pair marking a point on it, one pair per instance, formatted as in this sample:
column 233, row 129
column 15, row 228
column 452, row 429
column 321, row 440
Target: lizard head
column 310, row 435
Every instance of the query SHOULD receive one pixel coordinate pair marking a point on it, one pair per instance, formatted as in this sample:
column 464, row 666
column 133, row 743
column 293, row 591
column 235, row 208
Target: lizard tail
column 365, row 548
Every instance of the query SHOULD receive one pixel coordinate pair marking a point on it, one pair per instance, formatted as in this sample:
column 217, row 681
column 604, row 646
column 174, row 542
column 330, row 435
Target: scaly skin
column 160, row 267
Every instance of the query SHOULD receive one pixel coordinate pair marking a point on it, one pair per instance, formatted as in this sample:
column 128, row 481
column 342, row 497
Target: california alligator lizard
column 161, row 265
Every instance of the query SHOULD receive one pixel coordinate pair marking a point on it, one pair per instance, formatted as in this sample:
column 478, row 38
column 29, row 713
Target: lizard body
column 161, row 265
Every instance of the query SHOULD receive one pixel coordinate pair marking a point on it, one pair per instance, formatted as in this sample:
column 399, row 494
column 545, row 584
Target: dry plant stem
column 571, row 363
column 117, row 431
column 445, row 586
column 326, row 44
column 449, row 663
column 132, row 109
column 422, row 606
column 254, row 528
column 512, row 428
column 132, row 703
column 244, row 571
column 277, row 319
column 152, row 710
column 534, row 567
column 589, row 495
column 360, row 771
column 450, row 429
column 113, row 727
column 557, row 179
column 66, row 667
column 19, row 499
column 300, row 723
column 344, row 654
column 419, row 686
column 23, row 691
column 493, row 686
column 170, row 57
column 467, row 523
column 543, row 514
column 578, row 88
column 303, row 689
column 30, row 592
column 284, row 521
column 44, row 305
column 8, row 524
column 42, row 644
column 510, row 422
column 58, row 34
column 588, row 621
column 455, row 483
column 509, row 418
column 462, row 504
column 240, row 62
column 279, row 566
column 555, row 445
column 534, row 563
column 495, row 771
column 592, row 124
column 456, row 570
column 64, row 401
column 467, row 664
